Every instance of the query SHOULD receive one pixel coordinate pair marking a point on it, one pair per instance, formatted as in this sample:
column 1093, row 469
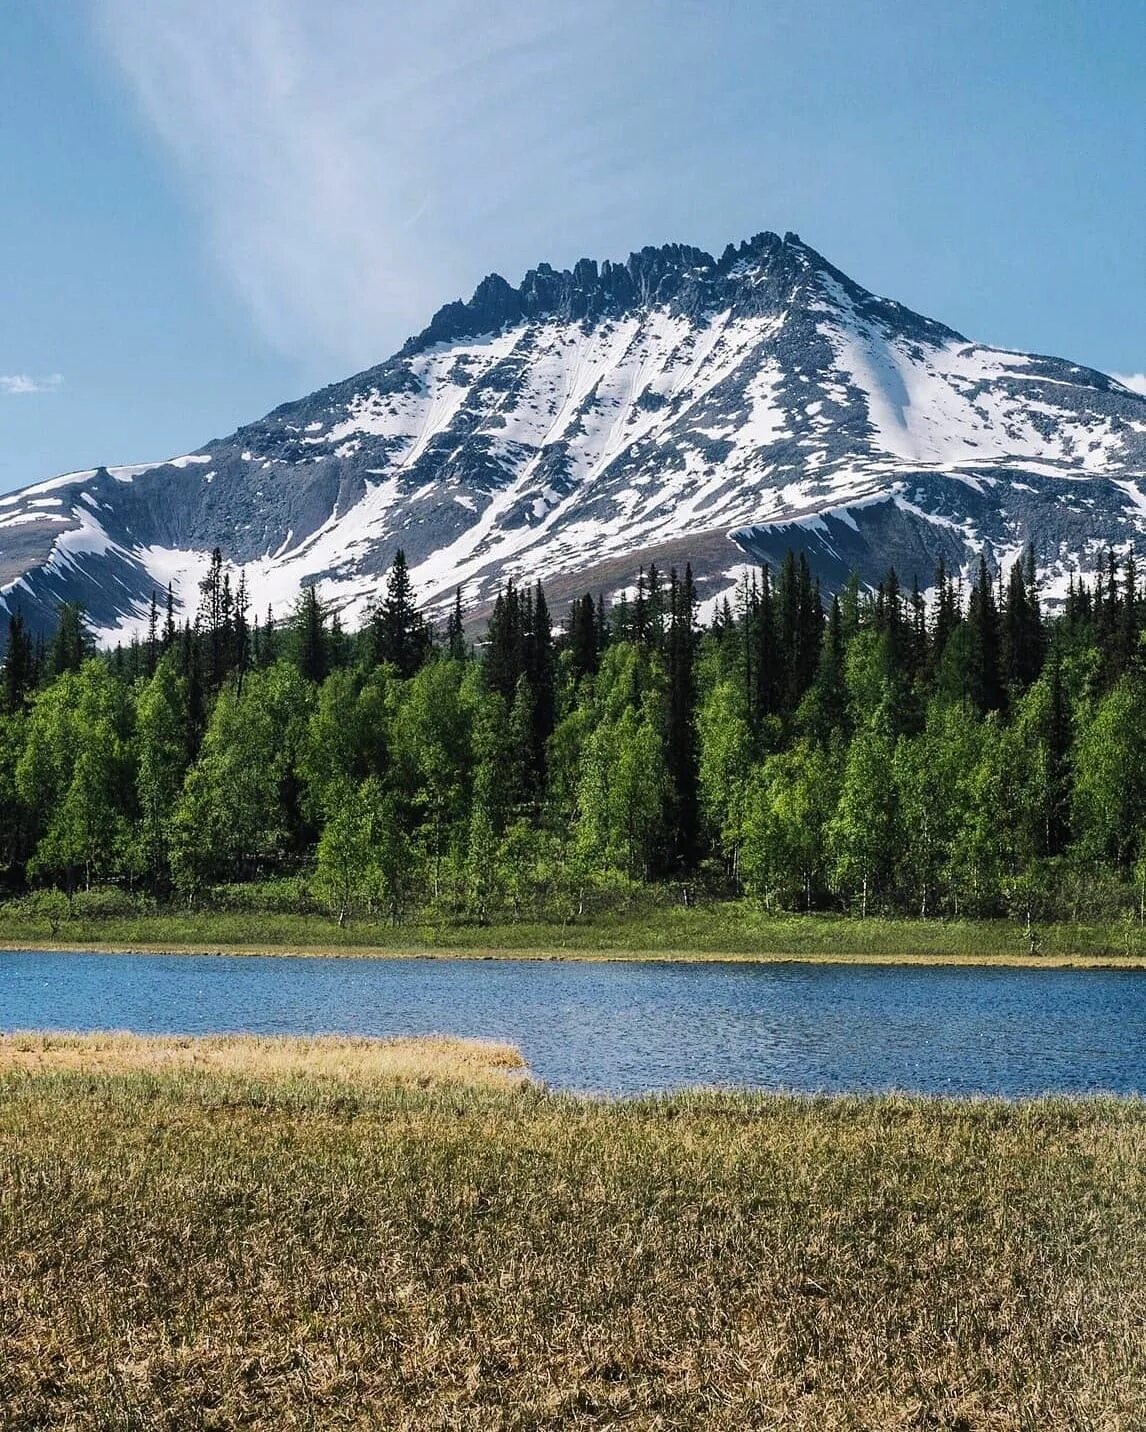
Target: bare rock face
column 671, row 408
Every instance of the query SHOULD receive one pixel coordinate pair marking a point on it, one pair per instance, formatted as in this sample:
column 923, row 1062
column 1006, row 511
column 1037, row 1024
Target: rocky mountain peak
column 672, row 275
column 671, row 407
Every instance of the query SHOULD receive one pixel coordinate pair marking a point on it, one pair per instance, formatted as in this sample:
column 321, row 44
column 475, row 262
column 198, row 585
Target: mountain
column 672, row 408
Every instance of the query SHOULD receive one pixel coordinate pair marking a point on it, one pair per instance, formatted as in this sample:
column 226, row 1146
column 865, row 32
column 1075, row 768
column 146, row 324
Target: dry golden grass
column 189, row 1250
column 433, row 1059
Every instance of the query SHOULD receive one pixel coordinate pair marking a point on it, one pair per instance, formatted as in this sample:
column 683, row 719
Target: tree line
column 963, row 754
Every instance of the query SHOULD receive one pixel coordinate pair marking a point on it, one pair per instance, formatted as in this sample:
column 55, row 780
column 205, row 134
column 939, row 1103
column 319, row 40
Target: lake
column 629, row 1027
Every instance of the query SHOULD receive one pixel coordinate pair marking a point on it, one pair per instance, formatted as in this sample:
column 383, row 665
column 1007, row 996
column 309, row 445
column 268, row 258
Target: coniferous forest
column 963, row 755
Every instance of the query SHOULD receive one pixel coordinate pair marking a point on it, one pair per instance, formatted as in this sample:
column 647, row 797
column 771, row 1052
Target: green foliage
column 863, row 835
column 163, row 746
column 624, row 787
column 365, row 860
column 235, row 812
column 725, row 769
column 943, row 758
column 1110, row 788
column 74, row 771
column 398, row 634
column 790, row 804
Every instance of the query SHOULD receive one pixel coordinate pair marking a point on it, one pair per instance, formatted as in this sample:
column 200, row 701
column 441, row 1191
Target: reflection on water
column 630, row 1027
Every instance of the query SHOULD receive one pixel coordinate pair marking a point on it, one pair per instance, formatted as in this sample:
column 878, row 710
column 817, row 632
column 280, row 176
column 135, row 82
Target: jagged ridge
column 672, row 407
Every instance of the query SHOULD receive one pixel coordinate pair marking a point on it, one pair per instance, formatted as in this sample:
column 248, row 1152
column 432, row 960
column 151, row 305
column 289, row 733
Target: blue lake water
column 629, row 1028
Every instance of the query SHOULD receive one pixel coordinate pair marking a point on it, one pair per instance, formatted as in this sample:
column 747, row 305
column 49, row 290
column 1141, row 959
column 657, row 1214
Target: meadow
column 291, row 1234
column 635, row 926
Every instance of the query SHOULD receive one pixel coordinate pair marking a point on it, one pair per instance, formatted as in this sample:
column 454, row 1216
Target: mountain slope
column 675, row 407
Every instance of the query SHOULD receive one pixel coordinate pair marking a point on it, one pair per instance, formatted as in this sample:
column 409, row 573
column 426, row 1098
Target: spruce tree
column 655, row 604
column 19, row 664
column 799, row 629
column 311, row 649
column 169, row 631
column 920, row 656
column 640, row 631
column 504, row 660
column 240, row 655
column 583, row 639
column 455, row 630
column 542, row 679
column 214, row 608
column 767, row 662
column 620, row 621
column 1021, row 632
column 152, row 636
column 400, row 635
column 986, row 684
column 70, row 644
column 947, row 612
column 681, row 747
column 1126, row 647
column 850, row 607
column 788, row 631
column 824, row 710
column 1058, row 778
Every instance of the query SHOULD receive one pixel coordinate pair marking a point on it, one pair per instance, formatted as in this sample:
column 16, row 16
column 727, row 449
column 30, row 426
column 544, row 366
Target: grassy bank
column 738, row 929
column 191, row 1246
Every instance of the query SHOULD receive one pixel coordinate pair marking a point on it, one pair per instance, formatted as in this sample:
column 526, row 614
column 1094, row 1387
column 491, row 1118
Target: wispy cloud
column 341, row 154
column 21, row 384
column 1134, row 381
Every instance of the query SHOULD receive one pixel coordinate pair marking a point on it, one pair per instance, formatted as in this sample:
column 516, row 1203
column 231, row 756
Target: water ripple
column 626, row 1028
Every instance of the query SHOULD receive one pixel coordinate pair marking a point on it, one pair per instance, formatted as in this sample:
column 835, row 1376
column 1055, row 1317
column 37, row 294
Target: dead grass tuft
column 433, row 1059
column 191, row 1249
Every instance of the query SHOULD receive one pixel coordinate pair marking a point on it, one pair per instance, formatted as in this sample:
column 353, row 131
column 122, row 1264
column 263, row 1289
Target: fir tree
column 1126, row 642
column 1021, row 628
column 640, row 631
column 152, row 636
column 214, row 611
column 1058, row 769
column 311, row 649
column 824, row 710
column 985, row 683
column 681, row 748
column 947, row 613
column 169, row 621
column 239, row 658
column 399, row 632
column 541, row 675
column 70, row 643
column 19, row 664
column 505, row 643
column 455, row 630
column 766, row 663
column 584, row 644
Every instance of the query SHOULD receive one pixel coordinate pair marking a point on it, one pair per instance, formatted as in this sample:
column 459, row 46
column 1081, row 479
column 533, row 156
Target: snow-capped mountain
column 672, row 408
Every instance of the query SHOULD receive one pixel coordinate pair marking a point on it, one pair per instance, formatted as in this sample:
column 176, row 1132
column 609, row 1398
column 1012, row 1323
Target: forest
column 958, row 755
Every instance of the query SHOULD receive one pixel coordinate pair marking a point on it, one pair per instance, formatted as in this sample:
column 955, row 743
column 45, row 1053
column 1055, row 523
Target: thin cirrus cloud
column 20, row 385
column 343, row 156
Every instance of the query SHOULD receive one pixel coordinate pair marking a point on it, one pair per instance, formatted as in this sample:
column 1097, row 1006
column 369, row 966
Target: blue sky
column 211, row 206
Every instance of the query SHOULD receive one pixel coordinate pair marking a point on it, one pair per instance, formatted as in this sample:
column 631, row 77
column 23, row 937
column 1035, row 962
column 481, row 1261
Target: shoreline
column 583, row 955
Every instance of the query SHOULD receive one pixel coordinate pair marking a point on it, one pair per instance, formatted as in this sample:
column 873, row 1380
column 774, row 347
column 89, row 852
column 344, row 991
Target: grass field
column 300, row 1237
column 720, row 930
